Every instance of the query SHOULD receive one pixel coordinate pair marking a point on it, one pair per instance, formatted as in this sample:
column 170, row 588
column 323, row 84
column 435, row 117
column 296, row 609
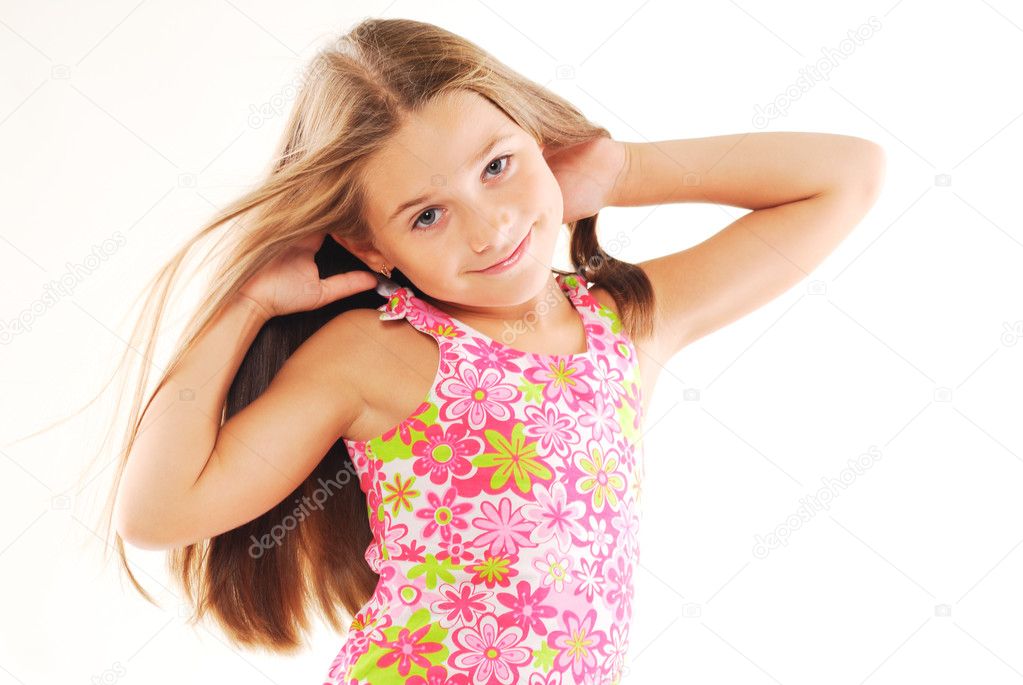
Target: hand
column 591, row 175
column 291, row 282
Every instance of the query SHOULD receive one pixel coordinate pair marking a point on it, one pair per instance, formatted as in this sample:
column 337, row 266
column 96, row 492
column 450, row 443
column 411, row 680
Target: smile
column 514, row 258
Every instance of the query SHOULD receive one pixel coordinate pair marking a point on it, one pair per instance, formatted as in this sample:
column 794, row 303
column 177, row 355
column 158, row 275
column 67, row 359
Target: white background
column 136, row 117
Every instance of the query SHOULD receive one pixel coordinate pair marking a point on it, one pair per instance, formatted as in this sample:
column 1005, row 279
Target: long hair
column 353, row 97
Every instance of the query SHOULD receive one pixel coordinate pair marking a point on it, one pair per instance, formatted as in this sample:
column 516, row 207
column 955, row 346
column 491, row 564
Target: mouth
column 512, row 259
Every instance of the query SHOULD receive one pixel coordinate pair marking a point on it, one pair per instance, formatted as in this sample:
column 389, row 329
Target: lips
column 511, row 254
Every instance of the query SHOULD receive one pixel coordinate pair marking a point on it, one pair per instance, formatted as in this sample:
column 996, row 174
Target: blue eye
column 503, row 167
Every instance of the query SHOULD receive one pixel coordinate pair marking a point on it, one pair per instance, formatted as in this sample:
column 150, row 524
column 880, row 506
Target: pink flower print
column 627, row 522
column 383, row 593
column 393, row 533
column 555, row 570
column 552, row 678
column 555, row 431
column 579, row 643
column 628, row 453
column 598, row 536
column 560, row 377
column 435, row 319
column 525, row 609
column 456, row 549
column 399, row 494
column 489, row 354
column 344, row 657
column 602, row 479
column 490, row 651
column 444, row 451
column 596, row 331
column 609, row 379
column 411, row 593
column 636, row 484
column 554, row 515
column 616, row 647
column 443, row 514
column 404, row 429
column 619, row 594
column 372, row 623
column 372, row 475
column 407, row 650
column 475, row 394
column 411, row 552
column 372, row 555
column 449, row 356
column 601, row 416
column 396, row 306
column 590, row 582
column 438, row 675
column 504, row 530
column 513, row 459
column 461, row 606
column 495, row 569
column 637, row 406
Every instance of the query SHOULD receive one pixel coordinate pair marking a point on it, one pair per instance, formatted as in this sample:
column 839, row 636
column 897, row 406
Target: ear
column 369, row 255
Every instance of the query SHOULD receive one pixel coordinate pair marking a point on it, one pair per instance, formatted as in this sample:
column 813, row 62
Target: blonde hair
column 353, row 98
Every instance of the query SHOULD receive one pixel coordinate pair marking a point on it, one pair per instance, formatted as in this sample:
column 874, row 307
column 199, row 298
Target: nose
column 494, row 229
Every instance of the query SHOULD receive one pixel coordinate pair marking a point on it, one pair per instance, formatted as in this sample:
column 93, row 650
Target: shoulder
column 360, row 349
column 352, row 338
column 342, row 347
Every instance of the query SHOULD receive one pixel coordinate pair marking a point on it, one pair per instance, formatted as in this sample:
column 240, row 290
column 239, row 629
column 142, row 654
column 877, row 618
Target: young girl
column 459, row 467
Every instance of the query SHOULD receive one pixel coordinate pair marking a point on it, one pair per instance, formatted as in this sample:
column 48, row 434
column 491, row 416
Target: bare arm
column 187, row 477
column 808, row 191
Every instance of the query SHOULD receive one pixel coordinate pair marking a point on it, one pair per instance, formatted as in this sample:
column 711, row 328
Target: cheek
column 544, row 191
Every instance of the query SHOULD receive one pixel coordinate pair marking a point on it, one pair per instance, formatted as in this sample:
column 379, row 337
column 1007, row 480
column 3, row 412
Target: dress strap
column 403, row 304
column 600, row 322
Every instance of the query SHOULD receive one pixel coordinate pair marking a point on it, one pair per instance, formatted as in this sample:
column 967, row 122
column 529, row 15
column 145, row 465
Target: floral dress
column 504, row 512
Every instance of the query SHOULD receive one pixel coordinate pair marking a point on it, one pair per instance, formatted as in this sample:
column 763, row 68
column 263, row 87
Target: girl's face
column 443, row 204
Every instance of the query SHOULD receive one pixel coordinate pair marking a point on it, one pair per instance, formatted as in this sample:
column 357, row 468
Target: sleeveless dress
column 504, row 511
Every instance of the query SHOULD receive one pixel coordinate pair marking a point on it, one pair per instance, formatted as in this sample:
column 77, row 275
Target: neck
column 539, row 313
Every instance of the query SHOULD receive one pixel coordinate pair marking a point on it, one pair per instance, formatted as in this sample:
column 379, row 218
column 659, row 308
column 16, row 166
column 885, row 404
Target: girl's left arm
column 807, row 192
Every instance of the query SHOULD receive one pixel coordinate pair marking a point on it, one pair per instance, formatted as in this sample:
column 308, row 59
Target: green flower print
column 627, row 415
column 408, row 650
column 544, row 656
column 531, row 392
column 434, row 568
column 514, row 458
column 400, row 493
column 603, row 479
column 614, row 321
column 395, row 446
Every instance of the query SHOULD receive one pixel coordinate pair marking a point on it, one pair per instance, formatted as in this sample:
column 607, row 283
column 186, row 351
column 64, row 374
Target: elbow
column 134, row 530
column 873, row 161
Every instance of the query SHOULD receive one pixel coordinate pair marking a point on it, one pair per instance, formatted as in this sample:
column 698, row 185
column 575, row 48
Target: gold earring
column 386, row 273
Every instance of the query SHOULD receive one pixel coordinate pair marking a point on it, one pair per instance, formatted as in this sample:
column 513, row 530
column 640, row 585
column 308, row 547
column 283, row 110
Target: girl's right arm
column 188, row 477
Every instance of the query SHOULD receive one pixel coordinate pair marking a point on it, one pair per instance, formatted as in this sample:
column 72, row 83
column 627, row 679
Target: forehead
column 431, row 145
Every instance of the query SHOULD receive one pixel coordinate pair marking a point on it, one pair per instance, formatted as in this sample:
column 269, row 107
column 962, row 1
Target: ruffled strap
column 396, row 305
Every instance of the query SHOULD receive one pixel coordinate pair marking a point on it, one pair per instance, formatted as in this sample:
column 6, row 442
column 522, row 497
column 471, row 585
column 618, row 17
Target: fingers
column 348, row 283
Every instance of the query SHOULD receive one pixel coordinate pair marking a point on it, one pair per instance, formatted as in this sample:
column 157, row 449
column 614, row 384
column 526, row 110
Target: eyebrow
column 472, row 163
